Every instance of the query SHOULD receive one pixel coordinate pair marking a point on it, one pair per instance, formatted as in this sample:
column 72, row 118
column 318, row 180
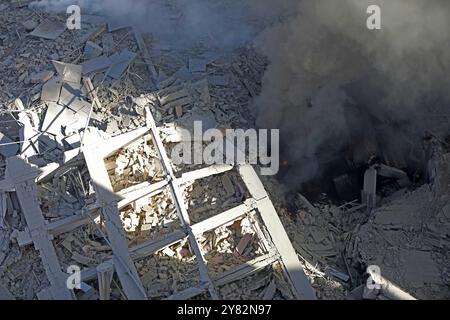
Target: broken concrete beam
column 387, row 288
column 369, row 192
column 64, row 225
column 204, row 172
column 223, row 218
column 124, row 266
column 294, row 270
column 242, row 271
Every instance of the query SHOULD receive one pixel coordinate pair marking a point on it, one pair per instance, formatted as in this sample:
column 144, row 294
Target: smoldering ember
column 95, row 203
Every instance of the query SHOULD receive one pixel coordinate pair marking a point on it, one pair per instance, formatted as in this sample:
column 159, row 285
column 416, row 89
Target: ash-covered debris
column 406, row 234
column 64, row 92
column 61, row 88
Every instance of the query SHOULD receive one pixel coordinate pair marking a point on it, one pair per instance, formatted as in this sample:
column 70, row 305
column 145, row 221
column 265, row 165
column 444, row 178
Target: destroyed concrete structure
column 88, row 119
column 118, row 187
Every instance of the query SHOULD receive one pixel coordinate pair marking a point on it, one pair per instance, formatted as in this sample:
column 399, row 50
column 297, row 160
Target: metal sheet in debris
column 51, row 90
column 70, row 92
column 48, row 30
column 108, row 43
column 121, row 61
column 69, row 72
column 96, row 64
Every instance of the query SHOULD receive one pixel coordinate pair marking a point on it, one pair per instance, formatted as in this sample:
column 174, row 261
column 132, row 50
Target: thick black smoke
column 335, row 85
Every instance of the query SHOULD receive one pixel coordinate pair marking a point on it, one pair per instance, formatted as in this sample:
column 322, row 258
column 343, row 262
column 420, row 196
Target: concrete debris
column 120, row 62
column 68, row 72
column 86, row 131
column 51, row 90
column 48, row 30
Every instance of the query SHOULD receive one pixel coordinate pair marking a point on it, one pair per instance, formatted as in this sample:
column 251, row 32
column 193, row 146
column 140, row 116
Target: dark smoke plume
column 335, row 85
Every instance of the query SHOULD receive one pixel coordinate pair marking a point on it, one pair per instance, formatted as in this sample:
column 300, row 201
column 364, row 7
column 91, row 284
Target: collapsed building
column 87, row 182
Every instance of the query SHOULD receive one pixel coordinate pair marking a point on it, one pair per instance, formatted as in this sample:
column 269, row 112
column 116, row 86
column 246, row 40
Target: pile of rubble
column 87, row 119
column 405, row 235
column 86, row 181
